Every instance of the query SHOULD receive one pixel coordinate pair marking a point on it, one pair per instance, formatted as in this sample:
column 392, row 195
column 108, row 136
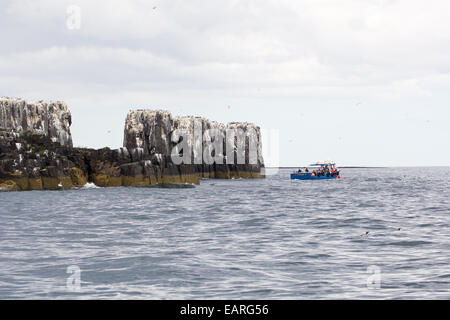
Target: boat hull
column 309, row 176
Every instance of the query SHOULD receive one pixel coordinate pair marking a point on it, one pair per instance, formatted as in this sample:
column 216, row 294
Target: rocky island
column 37, row 153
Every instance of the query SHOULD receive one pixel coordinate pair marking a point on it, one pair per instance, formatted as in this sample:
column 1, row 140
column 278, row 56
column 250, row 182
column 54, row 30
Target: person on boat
column 299, row 170
column 306, row 170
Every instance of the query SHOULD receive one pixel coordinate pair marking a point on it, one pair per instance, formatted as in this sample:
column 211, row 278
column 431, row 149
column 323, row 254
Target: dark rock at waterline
column 172, row 186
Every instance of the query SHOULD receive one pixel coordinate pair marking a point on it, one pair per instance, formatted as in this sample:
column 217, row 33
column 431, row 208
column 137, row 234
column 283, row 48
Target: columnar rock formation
column 36, row 150
column 49, row 119
column 149, row 132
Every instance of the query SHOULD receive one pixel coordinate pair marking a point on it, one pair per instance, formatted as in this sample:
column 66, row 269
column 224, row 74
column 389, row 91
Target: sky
column 363, row 82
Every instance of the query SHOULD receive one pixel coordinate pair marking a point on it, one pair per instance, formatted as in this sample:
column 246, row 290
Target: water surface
column 234, row 239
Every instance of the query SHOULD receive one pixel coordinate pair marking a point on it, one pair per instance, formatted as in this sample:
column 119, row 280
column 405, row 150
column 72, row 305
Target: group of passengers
column 323, row 171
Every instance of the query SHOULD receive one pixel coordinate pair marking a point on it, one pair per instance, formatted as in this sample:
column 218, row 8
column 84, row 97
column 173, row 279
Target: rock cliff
column 49, row 119
column 236, row 153
column 36, row 151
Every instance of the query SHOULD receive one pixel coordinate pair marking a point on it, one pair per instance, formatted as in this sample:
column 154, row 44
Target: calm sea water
column 252, row 239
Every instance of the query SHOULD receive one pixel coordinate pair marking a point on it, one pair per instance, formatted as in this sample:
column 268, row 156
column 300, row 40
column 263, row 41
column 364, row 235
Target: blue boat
column 318, row 171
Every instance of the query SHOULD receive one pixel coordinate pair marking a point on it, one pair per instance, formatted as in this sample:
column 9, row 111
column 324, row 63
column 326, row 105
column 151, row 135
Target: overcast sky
column 358, row 82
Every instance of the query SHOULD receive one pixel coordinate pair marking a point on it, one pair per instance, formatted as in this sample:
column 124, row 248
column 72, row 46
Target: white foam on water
column 90, row 185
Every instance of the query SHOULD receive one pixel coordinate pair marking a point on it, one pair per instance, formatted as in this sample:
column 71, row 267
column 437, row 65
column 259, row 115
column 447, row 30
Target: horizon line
column 367, row 167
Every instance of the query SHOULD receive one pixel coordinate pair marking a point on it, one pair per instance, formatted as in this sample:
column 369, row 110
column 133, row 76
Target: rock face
column 213, row 150
column 36, row 150
column 49, row 119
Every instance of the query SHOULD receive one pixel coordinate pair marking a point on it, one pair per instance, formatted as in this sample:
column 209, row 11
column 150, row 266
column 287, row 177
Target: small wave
column 407, row 243
column 253, row 222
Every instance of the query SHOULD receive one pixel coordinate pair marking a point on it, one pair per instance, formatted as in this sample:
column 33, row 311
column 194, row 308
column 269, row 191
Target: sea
column 376, row 233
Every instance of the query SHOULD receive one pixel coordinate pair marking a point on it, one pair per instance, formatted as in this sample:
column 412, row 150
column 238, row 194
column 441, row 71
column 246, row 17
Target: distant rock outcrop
column 36, row 151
